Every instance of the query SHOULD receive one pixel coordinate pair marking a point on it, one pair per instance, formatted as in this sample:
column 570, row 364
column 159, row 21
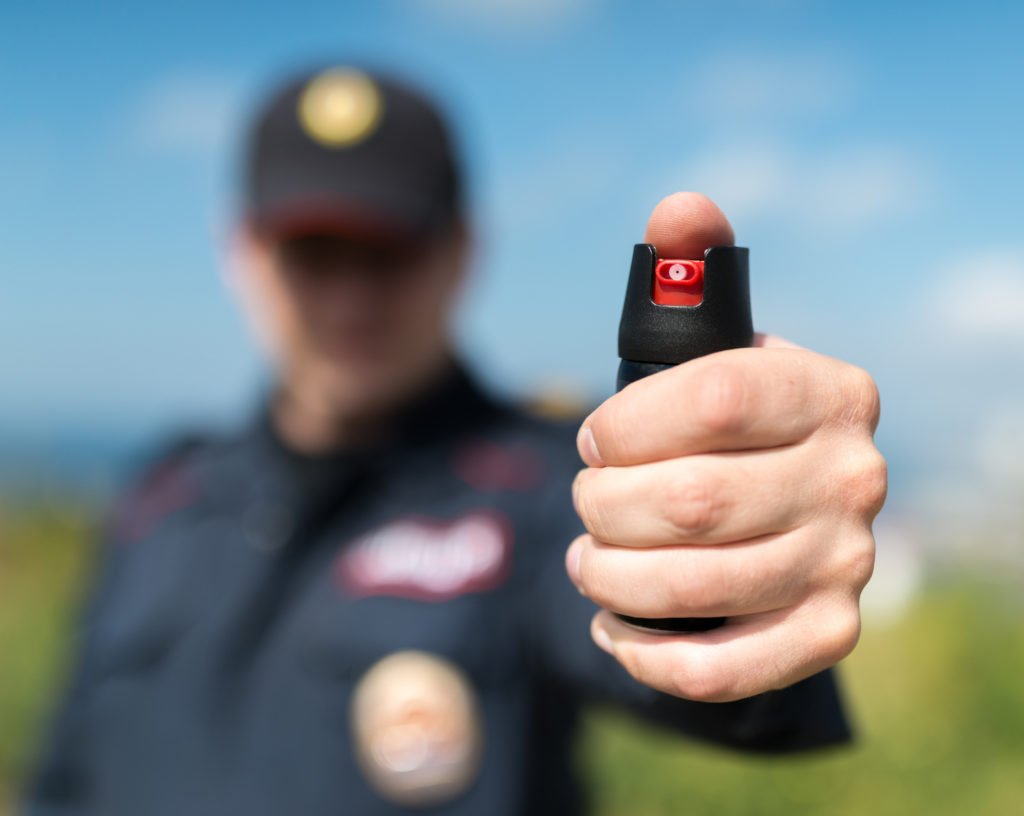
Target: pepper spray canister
column 675, row 311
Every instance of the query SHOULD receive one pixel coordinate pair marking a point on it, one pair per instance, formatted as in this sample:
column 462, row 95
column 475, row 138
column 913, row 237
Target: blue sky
column 868, row 153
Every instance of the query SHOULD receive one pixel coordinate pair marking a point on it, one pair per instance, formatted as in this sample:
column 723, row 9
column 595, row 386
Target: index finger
column 741, row 399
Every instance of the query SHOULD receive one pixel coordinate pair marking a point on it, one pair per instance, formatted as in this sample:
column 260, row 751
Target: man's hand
column 742, row 484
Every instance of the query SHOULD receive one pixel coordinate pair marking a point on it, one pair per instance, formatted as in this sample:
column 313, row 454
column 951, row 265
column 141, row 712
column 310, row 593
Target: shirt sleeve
column 809, row 714
column 61, row 781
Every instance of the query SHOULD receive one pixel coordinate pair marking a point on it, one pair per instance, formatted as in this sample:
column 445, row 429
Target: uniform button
column 268, row 525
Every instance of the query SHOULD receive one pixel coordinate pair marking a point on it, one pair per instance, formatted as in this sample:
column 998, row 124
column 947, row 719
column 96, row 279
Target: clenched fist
column 742, row 484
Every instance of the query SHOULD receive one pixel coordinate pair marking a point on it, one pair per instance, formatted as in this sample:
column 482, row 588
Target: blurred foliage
column 45, row 553
column 938, row 697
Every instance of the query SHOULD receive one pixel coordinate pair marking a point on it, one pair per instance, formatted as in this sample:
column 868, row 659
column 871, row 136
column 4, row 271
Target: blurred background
column 869, row 154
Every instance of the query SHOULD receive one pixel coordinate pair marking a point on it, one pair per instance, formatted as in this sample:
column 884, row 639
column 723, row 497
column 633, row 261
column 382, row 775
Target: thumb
column 683, row 225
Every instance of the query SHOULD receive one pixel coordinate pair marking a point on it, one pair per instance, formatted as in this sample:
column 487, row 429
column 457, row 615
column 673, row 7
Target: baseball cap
column 348, row 150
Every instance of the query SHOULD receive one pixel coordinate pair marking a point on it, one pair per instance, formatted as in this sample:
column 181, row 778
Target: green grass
column 939, row 703
column 44, row 554
column 938, row 698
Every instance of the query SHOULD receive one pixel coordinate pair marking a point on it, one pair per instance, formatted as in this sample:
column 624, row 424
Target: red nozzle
column 678, row 283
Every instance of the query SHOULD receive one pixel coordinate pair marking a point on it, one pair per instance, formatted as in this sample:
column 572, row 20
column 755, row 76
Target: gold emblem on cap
column 340, row 107
column 417, row 728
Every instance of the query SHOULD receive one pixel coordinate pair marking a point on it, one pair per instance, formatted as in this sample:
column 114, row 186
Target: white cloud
column 845, row 189
column 567, row 177
column 507, row 15
column 745, row 180
column 980, row 299
column 772, row 175
column 773, row 87
column 190, row 112
column 972, row 508
column 999, row 448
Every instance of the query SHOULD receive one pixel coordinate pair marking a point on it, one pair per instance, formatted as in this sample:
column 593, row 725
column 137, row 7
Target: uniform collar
column 288, row 493
column 452, row 404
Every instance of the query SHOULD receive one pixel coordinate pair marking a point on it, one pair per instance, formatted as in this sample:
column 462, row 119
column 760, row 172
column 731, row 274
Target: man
column 358, row 604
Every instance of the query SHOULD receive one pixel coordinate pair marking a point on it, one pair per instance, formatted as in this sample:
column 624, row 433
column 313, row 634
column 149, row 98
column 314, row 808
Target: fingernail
column 575, row 492
column 572, row 564
column 588, row 447
column 602, row 639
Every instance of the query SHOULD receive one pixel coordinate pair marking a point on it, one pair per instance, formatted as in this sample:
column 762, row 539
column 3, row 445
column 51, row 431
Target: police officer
column 359, row 604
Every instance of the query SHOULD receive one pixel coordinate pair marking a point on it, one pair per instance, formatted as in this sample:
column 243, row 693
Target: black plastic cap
column 669, row 335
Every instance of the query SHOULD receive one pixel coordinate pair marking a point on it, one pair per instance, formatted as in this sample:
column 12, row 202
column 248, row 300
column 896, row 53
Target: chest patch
column 417, row 729
column 427, row 559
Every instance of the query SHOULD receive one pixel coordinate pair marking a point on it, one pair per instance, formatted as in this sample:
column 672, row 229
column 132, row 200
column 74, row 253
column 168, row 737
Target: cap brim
column 335, row 216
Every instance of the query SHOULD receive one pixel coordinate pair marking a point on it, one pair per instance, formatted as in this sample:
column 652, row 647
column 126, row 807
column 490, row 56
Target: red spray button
column 678, row 283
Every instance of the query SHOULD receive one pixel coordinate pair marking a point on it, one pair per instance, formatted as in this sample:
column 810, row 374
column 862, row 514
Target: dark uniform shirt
column 245, row 590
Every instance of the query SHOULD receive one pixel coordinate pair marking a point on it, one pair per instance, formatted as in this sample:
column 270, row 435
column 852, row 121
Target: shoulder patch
column 164, row 485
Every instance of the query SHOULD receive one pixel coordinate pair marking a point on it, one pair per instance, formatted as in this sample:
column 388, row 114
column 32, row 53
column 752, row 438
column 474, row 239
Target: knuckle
column 693, row 504
column 698, row 679
column 631, row 662
column 840, row 634
column 861, row 400
column 697, row 588
column 866, row 482
column 686, row 589
column 721, row 399
column 877, row 483
column 858, row 561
